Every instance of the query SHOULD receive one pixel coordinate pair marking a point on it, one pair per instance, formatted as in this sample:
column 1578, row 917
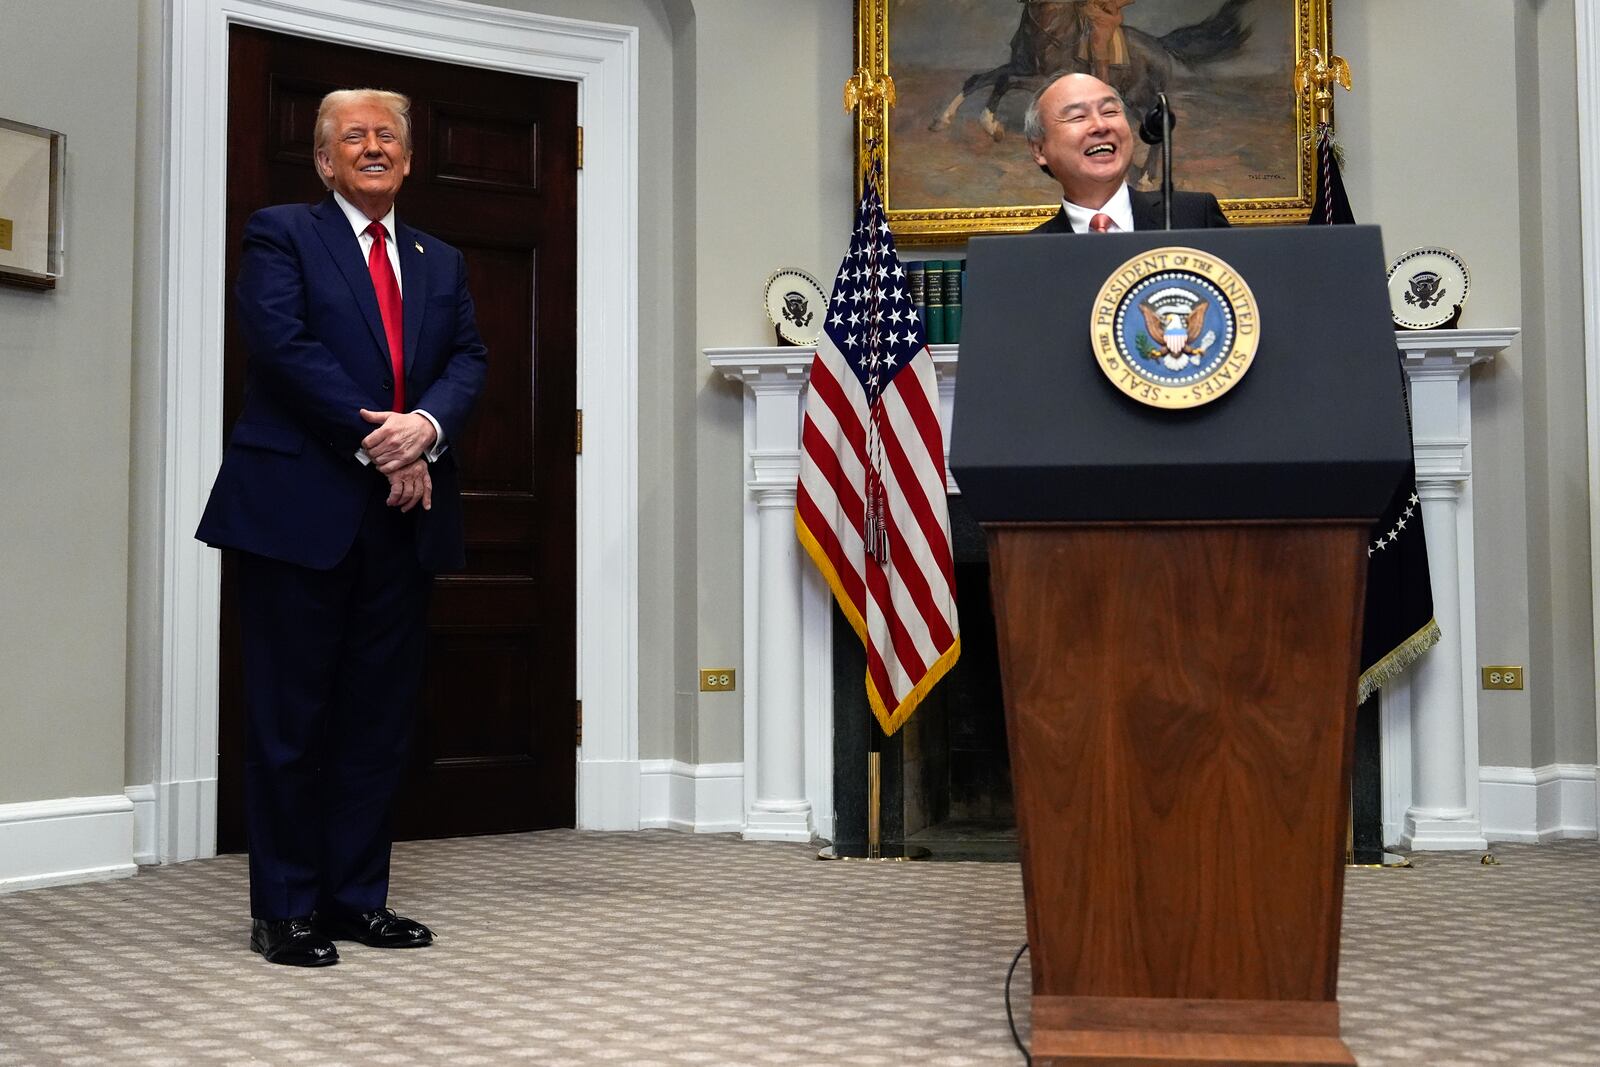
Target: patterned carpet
column 664, row 948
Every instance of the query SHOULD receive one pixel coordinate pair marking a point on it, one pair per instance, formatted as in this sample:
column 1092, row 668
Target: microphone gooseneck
column 1156, row 129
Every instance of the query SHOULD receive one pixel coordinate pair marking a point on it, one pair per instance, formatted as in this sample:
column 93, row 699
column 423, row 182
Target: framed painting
column 31, row 162
column 955, row 162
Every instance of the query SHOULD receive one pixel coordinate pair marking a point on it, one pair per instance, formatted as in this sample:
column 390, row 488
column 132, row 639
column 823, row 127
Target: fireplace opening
column 946, row 774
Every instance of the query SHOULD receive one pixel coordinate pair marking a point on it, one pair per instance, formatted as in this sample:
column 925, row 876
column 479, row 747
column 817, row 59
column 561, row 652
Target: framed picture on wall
column 31, row 163
column 955, row 159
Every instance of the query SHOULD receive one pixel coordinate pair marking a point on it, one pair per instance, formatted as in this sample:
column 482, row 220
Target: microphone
column 1156, row 130
column 1150, row 130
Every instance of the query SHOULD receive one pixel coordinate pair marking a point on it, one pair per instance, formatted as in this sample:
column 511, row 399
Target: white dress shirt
column 1119, row 207
column 359, row 223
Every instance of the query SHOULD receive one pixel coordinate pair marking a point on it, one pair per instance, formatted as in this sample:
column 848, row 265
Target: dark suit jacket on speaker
column 1190, row 211
column 291, row 487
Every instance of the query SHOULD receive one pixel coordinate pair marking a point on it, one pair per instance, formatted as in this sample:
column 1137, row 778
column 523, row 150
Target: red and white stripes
column 904, row 608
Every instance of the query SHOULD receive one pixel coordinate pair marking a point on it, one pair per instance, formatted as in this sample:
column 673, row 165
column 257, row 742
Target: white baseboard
column 143, row 798
column 608, row 794
column 185, row 820
column 1538, row 804
column 704, row 798
column 57, row 842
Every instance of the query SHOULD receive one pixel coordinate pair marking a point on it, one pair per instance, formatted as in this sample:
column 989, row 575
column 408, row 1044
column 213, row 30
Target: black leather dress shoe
column 379, row 929
column 291, row 941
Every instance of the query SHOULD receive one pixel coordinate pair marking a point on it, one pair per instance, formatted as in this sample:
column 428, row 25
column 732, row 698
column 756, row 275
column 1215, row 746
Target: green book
column 915, row 286
column 933, row 284
column 955, row 275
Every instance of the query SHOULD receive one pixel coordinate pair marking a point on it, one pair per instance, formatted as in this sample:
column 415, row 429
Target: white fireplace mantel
column 788, row 638
column 1430, row 714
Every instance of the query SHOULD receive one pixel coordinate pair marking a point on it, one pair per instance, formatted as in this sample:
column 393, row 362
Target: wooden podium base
column 1173, row 1032
column 1180, row 705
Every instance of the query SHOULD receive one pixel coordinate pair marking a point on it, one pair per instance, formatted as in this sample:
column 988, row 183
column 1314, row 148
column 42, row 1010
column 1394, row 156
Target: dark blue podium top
column 1315, row 429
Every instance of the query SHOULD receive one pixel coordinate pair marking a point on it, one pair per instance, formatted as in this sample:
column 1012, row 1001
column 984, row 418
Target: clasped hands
column 396, row 448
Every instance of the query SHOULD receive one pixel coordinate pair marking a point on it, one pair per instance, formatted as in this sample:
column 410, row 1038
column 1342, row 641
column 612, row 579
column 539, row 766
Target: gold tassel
column 1399, row 658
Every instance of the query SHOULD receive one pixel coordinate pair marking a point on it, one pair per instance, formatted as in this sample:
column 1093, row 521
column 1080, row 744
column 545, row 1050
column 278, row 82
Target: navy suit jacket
column 1190, row 211
column 290, row 487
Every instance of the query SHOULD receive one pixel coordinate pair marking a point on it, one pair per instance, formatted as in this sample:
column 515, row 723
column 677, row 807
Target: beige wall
column 64, row 413
column 1561, row 634
column 774, row 189
column 1462, row 132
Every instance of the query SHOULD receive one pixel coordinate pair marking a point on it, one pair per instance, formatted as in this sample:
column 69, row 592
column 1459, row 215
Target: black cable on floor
column 1010, row 1019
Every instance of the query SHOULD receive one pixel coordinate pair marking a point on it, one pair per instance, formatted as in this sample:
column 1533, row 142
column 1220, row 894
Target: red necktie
column 387, row 287
column 1101, row 223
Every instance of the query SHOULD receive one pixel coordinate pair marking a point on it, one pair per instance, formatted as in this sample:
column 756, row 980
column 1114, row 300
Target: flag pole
column 1316, row 76
column 874, row 805
column 875, row 849
column 873, row 95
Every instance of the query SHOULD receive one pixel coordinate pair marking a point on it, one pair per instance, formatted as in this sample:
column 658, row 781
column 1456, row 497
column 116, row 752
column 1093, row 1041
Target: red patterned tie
column 1101, row 223
column 387, row 287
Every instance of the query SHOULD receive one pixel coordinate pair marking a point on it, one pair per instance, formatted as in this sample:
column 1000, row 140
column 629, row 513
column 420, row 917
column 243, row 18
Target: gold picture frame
column 943, row 185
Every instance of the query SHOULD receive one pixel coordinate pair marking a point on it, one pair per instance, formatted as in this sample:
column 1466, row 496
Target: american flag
column 871, row 508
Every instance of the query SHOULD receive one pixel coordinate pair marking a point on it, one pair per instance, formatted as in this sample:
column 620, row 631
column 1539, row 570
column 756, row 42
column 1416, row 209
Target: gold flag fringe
column 1399, row 658
column 890, row 719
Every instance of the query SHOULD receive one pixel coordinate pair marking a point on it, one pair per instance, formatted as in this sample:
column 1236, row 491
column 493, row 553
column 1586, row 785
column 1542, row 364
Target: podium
column 1178, row 596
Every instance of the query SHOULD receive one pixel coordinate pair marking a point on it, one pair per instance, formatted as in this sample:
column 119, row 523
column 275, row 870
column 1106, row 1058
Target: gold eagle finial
column 1317, row 76
column 873, row 93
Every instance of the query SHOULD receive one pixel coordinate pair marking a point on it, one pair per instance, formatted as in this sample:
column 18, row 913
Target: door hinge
column 578, row 443
column 579, row 741
column 580, row 147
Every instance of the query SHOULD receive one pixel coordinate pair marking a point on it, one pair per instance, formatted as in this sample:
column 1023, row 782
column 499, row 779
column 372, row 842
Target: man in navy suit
column 340, row 493
column 1077, row 129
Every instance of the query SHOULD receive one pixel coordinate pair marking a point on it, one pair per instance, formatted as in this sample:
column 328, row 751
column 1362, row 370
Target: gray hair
column 397, row 104
column 1033, row 124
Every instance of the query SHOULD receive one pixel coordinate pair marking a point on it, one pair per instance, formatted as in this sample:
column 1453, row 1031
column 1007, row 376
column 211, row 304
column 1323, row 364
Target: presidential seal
column 1175, row 327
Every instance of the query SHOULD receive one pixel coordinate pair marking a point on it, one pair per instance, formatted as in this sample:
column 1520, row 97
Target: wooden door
column 493, row 173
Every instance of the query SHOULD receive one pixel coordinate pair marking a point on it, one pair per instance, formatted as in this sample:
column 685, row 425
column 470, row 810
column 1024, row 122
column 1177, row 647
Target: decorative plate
column 796, row 305
column 1426, row 285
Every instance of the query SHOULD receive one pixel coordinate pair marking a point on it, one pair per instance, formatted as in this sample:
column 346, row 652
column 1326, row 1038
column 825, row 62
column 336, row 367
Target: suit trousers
column 333, row 661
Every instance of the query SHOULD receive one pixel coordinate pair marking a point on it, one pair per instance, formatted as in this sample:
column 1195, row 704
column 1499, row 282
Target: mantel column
column 788, row 608
column 1443, row 812
column 777, row 807
column 780, row 810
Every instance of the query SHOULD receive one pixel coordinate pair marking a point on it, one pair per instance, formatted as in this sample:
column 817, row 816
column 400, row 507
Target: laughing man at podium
column 1077, row 128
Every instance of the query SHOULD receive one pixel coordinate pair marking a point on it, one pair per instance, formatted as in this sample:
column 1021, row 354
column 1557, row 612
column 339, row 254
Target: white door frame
column 1588, row 55
column 603, row 60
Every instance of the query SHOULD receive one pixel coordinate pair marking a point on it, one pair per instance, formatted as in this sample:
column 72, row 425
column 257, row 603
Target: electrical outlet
column 1502, row 677
column 717, row 680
